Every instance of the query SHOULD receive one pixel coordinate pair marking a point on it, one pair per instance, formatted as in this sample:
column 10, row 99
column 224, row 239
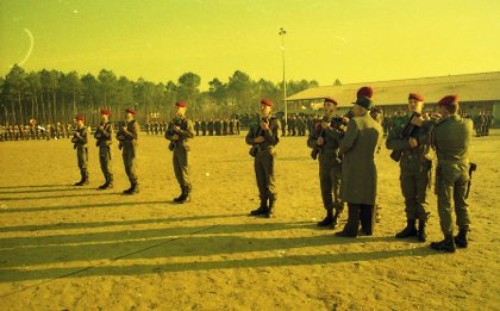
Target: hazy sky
column 353, row 40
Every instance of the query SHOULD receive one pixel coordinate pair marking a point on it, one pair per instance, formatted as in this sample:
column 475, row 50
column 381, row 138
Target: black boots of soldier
column 451, row 243
column 264, row 209
column 107, row 185
column 330, row 219
column 134, row 188
column 184, row 196
column 411, row 230
column 84, row 181
column 446, row 245
column 461, row 239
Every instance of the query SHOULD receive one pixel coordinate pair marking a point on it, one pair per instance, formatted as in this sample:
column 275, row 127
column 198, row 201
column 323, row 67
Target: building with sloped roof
column 476, row 92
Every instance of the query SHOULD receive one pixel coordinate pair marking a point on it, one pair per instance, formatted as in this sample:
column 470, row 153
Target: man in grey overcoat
column 359, row 174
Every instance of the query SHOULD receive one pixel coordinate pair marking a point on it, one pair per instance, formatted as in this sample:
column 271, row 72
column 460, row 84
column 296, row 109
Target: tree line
column 51, row 96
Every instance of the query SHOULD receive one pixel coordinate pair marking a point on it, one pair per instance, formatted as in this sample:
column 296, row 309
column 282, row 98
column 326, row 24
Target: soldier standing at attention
column 451, row 140
column 326, row 139
column 359, row 173
column 263, row 136
column 127, row 135
column 179, row 132
column 103, row 135
column 79, row 141
column 412, row 144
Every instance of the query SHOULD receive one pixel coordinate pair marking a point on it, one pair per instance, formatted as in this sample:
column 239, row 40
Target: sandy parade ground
column 77, row 248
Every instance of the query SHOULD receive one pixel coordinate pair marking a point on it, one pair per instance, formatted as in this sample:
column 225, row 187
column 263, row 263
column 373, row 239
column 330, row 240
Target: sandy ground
column 72, row 248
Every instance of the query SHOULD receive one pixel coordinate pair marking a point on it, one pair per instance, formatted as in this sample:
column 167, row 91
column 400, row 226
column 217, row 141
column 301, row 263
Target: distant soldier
column 218, row 127
column 210, row 127
column 179, row 132
column 263, row 136
column 487, row 123
column 359, row 173
column 325, row 140
column 225, row 127
column 197, row 127
column 203, row 126
column 411, row 145
column 148, row 128
column 103, row 135
column 127, row 136
column 479, row 123
column 237, row 125
column 231, row 126
column 79, row 141
column 451, row 139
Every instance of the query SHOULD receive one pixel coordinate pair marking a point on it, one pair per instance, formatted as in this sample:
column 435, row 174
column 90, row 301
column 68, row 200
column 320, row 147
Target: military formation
column 345, row 147
column 35, row 131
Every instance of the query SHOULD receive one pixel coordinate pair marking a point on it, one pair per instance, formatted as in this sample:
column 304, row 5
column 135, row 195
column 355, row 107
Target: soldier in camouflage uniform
column 179, row 132
column 451, row 140
column 127, row 136
column 263, row 136
column 325, row 139
column 103, row 135
column 79, row 141
column 412, row 145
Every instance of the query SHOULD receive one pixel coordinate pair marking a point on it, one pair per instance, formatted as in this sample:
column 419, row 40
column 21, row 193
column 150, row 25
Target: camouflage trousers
column 330, row 174
column 82, row 157
column 105, row 161
column 129, row 161
column 415, row 186
column 451, row 185
column 264, row 172
column 181, row 166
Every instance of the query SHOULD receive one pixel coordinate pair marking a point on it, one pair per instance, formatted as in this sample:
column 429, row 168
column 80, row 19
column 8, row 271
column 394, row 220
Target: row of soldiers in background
column 217, row 127
column 482, row 123
column 298, row 124
column 33, row 131
column 211, row 127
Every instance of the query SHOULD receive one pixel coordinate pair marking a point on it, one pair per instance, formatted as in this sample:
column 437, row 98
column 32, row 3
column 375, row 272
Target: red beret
column 416, row 96
column 365, row 91
column 130, row 110
column 267, row 102
column 448, row 100
column 181, row 104
column 79, row 117
column 331, row 100
column 105, row 111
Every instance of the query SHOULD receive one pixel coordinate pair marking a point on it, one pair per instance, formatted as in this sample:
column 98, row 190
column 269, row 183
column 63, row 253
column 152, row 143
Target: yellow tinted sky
column 354, row 40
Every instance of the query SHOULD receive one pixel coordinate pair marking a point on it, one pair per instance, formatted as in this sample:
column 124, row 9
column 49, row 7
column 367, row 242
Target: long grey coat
column 359, row 174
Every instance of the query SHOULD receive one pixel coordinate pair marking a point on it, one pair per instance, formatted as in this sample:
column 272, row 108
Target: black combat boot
column 185, row 197
column 270, row 208
column 180, row 197
column 352, row 227
column 262, row 210
column 328, row 220
column 82, row 182
column 447, row 245
column 422, row 235
column 338, row 212
column 461, row 239
column 135, row 188
column 409, row 231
